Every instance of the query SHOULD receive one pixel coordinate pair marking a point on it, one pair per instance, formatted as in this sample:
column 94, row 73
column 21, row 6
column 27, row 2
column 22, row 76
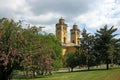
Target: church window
column 65, row 28
column 58, row 33
column 64, row 39
column 73, row 41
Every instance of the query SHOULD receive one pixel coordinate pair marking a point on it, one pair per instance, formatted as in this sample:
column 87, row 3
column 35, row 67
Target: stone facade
column 62, row 34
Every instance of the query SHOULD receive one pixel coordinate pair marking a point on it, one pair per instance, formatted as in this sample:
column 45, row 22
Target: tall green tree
column 106, row 44
column 31, row 35
column 52, row 50
column 46, row 52
column 87, row 43
column 72, row 60
column 12, row 45
column 116, row 55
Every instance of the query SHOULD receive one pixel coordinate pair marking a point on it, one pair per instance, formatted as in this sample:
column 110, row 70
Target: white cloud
column 102, row 14
column 92, row 13
column 42, row 18
column 49, row 28
column 15, row 9
column 11, row 4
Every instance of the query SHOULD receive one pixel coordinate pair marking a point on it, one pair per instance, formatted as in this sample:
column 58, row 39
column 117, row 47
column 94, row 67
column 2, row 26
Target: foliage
column 11, row 47
column 87, row 50
column 27, row 47
column 46, row 51
column 72, row 60
column 105, row 44
column 116, row 55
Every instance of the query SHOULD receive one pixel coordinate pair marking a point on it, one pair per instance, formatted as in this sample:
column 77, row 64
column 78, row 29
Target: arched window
column 64, row 39
column 73, row 41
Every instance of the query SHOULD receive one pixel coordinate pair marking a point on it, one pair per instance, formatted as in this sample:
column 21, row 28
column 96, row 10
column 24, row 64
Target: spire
column 61, row 17
column 75, row 26
column 61, row 20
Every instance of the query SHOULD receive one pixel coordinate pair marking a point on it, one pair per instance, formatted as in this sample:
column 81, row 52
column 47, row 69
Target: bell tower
column 61, row 31
column 75, row 35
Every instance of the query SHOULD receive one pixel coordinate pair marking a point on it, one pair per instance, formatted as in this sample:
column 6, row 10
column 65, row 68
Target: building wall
column 64, row 50
column 68, row 49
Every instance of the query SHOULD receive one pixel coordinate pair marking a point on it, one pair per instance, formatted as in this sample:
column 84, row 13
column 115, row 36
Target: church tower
column 61, row 31
column 75, row 35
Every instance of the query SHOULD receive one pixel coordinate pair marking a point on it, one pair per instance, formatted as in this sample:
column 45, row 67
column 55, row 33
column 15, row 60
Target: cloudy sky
column 89, row 14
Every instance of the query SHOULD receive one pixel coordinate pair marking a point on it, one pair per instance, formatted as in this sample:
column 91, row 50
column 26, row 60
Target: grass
column 101, row 74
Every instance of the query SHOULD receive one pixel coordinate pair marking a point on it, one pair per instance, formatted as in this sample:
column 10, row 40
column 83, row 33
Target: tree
column 105, row 44
column 87, row 44
column 72, row 60
column 116, row 55
column 52, row 50
column 96, row 53
column 11, row 47
column 31, row 35
column 46, row 52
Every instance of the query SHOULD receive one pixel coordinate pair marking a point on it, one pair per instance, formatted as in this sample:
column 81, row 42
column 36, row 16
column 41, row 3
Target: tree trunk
column 4, row 76
column 107, row 64
column 42, row 72
column 71, row 69
column 88, row 68
column 88, row 60
column 33, row 73
column 88, row 65
column 50, row 73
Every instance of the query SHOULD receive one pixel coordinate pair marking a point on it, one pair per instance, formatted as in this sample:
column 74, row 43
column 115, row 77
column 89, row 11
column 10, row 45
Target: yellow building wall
column 71, row 49
column 64, row 50
column 68, row 49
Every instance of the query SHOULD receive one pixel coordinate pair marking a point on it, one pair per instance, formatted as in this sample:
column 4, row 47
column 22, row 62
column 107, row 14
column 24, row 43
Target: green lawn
column 113, row 74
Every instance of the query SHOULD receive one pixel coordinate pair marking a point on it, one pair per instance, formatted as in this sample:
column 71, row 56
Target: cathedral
column 62, row 34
